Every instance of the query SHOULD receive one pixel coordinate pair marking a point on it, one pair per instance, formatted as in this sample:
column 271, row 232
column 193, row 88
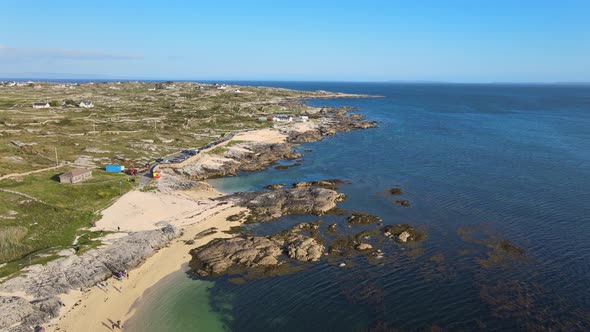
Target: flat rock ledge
column 44, row 283
column 269, row 205
column 236, row 254
column 252, row 157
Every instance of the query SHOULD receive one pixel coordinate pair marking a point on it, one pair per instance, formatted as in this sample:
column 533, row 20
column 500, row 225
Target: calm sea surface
column 479, row 164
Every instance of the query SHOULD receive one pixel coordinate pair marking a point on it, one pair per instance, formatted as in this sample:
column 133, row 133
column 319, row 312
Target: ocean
column 479, row 164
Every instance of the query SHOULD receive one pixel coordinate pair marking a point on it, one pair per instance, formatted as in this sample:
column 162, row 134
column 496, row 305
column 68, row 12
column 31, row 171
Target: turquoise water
column 502, row 161
column 178, row 303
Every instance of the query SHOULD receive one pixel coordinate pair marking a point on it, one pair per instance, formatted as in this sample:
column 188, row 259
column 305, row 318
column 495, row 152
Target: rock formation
column 235, row 254
column 45, row 282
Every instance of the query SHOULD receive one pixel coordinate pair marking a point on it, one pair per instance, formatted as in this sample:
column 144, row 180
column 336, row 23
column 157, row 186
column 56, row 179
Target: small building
column 303, row 118
column 282, row 118
column 75, row 176
column 41, row 105
column 86, row 104
column 237, row 91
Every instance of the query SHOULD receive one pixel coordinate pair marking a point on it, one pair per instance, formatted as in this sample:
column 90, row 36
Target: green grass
column 29, row 226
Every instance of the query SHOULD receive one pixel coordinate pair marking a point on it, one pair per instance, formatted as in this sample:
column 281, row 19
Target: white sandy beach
column 96, row 309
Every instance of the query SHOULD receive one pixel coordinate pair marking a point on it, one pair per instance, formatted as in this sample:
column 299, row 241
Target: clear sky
column 446, row 40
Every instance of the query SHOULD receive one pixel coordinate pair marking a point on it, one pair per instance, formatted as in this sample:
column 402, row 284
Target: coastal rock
column 304, row 137
column 219, row 255
column 275, row 186
column 250, row 157
column 395, row 191
column 331, row 183
column 402, row 232
column 404, row 236
column 265, row 206
column 222, row 256
column 364, row 246
column 17, row 310
column 331, row 228
column 359, row 218
column 404, row 203
column 304, row 249
column 45, row 282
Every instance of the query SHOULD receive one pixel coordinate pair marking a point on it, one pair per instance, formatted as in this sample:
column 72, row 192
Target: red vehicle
column 131, row 170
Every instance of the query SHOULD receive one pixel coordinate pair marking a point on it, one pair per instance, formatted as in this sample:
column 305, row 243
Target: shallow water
column 478, row 163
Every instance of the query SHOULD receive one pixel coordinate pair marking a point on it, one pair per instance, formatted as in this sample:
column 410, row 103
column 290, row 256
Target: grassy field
column 136, row 121
column 31, row 230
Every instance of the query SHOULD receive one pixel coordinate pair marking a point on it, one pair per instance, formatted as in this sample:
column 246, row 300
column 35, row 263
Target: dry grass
column 10, row 242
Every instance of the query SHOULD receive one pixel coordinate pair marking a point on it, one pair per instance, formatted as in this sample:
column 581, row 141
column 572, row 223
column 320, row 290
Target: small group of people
column 116, row 324
column 122, row 274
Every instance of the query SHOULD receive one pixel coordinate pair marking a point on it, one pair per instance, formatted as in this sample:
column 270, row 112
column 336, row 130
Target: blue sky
column 446, row 40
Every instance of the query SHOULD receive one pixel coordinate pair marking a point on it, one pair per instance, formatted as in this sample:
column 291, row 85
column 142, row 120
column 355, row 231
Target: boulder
column 364, row 246
column 360, row 218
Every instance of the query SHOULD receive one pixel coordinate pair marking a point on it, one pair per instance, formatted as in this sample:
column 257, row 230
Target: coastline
column 120, row 301
column 193, row 209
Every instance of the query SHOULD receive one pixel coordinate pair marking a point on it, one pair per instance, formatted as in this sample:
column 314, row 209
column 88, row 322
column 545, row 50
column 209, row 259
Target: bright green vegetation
column 31, row 230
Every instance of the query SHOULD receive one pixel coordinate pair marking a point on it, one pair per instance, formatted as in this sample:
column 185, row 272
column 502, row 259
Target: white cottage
column 41, row 105
column 86, row 104
column 282, row 118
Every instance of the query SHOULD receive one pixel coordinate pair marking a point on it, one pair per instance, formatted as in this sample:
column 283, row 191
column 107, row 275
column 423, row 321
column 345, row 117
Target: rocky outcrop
column 250, row 157
column 336, row 120
column 402, row 233
column 395, row 191
column 359, row 218
column 265, row 206
column 403, row 202
column 45, row 282
column 18, row 311
column 304, row 137
column 226, row 256
column 331, row 184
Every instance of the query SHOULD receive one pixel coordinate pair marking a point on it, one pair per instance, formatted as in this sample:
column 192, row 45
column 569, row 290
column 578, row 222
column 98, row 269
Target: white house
column 41, row 105
column 303, row 118
column 86, row 104
column 282, row 118
column 237, row 91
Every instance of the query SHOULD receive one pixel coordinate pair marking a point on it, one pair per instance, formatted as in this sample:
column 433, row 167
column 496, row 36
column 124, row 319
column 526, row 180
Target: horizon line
column 91, row 78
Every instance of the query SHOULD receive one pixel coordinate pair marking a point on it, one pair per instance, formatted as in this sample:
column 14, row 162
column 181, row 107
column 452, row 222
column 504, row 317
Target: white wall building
column 282, row 118
column 41, row 105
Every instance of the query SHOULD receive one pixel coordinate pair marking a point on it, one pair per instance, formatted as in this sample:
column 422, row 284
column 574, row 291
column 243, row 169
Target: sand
column 194, row 211
column 274, row 135
column 95, row 309
column 137, row 210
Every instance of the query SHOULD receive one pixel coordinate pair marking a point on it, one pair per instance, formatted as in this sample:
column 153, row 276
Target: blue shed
column 114, row 168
